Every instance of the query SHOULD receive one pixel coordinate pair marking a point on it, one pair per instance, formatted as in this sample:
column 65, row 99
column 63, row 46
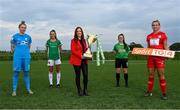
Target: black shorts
column 121, row 63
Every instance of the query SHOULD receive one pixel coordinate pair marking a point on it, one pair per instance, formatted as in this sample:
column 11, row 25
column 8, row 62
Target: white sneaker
column 14, row 94
column 30, row 92
column 148, row 94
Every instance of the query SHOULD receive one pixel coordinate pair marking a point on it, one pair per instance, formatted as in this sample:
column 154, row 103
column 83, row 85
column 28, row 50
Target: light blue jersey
column 21, row 43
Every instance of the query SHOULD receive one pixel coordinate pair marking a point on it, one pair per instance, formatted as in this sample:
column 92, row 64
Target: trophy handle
column 87, row 41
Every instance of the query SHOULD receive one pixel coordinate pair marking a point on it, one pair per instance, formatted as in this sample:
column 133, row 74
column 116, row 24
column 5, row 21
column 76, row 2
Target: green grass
column 102, row 90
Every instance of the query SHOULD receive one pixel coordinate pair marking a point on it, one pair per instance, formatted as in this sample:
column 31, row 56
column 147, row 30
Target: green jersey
column 121, row 53
column 53, row 49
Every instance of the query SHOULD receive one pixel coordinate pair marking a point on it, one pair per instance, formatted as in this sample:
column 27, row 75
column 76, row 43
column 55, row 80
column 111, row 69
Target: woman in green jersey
column 121, row 50
column 54, row 47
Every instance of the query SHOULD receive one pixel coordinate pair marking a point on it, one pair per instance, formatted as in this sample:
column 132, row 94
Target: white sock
column 50, row 78
column 58, row 78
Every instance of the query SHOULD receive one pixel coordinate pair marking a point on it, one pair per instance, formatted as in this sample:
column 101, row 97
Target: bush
column 7, row 56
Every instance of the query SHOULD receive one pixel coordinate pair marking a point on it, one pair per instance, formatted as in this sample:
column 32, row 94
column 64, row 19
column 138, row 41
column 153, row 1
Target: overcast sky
column 105, row 17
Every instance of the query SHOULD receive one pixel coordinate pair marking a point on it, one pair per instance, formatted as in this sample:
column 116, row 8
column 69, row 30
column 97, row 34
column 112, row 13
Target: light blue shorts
column 21, row 64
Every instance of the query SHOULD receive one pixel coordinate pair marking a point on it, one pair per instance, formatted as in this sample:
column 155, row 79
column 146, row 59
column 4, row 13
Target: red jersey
column 156, row 41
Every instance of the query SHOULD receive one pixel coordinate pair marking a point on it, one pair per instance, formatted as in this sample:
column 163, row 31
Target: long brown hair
column 75, row 33
column 54, row 32
column 125, row 44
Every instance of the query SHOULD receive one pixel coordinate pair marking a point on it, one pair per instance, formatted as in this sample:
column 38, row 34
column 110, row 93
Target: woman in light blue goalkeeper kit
column 20, row 45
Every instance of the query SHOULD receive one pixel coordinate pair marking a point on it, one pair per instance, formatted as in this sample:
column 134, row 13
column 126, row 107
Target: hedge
column 7, row 56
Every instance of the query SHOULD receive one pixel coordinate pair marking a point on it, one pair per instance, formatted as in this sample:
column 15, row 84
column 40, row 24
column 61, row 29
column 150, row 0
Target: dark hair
column 125, row 45
column 22, row 23
column 156, row 21
column 54, row 32
column 75, row 33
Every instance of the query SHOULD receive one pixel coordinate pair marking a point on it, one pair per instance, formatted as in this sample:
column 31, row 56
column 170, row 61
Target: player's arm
column 47, row 46
column 114, row 50
column 12, row 44
column 30, row 46
column 148, row 45
column 30, row 41
column 46, row 49
column 128, row 49
column 60, row 48
column 12, row 47
column 165, row 45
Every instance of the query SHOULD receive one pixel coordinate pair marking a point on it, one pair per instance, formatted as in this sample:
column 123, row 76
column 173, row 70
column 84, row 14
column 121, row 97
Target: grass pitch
column 102, row 90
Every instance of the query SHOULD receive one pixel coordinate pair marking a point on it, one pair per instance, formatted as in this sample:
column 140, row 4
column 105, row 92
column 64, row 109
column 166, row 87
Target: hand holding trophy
column 90, row 40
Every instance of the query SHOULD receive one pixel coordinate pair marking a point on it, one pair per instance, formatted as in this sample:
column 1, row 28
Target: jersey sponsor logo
column 154, row 41
column 121, row 50
column 22, row 42
column 54, row 46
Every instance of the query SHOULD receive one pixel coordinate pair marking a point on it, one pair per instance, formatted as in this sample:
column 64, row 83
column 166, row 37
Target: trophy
column 90, row 40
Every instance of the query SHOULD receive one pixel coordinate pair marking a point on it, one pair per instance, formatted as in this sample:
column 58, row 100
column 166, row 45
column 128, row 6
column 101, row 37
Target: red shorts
column 156, row 62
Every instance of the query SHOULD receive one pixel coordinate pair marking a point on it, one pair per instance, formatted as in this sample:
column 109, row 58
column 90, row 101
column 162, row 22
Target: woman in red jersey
column 156, row 40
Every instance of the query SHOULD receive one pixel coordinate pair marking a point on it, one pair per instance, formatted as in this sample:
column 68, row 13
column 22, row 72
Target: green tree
column 133, row 44
column 175, row 46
